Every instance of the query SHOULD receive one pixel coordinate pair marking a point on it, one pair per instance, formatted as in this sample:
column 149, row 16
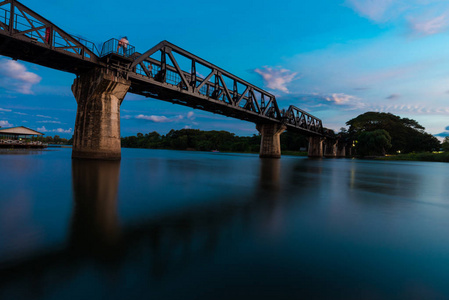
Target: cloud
column 376, row 10
column 410, row 108
column 342, row 99
column 316, row 101
column 15, row 77
column 424, row 17
column 275, row 78
column 52, row 122
column 430, row 25
column 161, row 119
column 4, row 109
column 393, row 97
column 444, row 133
column 155, row 119
column 5, row 124
column 41, row 116
column 58, row 130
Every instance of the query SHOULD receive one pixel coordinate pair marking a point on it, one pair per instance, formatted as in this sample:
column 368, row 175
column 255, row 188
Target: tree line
column 369, row 134
column 195, row 139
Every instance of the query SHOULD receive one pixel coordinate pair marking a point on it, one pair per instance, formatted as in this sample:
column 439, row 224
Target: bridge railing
column 116, row 47
column 88, row 44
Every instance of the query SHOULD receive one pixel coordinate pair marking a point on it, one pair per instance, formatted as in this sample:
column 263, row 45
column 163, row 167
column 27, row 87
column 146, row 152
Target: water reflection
column 95, row 225
column 155, row 248
column 227, row 227
column 21, row 151
column 386, row 179
column 270, row 172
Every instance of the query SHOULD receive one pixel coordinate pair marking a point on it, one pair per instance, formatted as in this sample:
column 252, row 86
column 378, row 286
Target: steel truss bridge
column 164, row 72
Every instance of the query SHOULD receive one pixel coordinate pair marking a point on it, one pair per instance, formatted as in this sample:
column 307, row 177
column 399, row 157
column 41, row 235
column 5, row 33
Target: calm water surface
column 195, row 225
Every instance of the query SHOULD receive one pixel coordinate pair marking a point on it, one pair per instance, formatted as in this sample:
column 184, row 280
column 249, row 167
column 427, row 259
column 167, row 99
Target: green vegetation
column 195, row 139
column 376, row 133
column 373, row 142
column 422, row 156
column 54, row 140
column 445, row 144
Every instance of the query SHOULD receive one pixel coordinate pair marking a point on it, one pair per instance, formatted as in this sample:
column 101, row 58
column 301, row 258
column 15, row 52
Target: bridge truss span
column 27, row 36
column 161, row 73
column 299, row 120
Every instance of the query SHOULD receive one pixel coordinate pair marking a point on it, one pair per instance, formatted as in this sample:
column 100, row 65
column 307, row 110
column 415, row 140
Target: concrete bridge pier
column 315, row 146
column 330, row 148
column 99, row 94
column 270, row 145
column 341, row 149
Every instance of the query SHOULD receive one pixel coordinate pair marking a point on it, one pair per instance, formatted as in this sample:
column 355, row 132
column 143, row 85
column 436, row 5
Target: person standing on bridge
column 123, row 43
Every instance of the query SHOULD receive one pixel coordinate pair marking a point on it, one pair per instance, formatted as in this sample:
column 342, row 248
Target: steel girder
column 27, row 36
column 296, row 118
column 218, row 86
column 157, row 78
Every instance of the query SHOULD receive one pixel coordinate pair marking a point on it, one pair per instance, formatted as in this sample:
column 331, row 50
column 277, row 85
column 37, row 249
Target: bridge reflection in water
column 95, row 226
column 140, row 253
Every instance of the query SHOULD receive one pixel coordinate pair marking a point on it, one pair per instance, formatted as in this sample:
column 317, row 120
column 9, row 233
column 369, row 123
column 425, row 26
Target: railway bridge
column 165, row 72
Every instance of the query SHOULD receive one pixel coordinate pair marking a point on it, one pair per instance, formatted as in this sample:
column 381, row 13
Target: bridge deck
column 160, row 73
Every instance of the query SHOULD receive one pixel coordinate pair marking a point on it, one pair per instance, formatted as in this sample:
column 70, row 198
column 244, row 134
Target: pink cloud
column 376, row 10
column 423, row 17
column 15, row 77
column 276, row 79
column 429, row 26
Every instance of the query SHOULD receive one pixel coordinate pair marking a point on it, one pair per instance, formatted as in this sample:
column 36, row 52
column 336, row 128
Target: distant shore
column 423, row 156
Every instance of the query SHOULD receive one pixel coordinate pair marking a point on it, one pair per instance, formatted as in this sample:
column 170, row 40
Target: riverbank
column 423, row 156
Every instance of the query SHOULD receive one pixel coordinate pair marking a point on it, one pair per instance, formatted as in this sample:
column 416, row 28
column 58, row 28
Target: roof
column 21, row 130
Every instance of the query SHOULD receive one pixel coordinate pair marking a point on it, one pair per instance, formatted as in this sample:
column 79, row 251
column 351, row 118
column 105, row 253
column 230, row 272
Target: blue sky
column 335, row 59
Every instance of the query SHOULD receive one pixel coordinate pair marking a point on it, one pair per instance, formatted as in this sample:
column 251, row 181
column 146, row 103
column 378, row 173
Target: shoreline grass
column 422, row 156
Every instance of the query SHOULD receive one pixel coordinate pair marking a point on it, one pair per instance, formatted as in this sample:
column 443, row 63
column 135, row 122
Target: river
column 164, row 224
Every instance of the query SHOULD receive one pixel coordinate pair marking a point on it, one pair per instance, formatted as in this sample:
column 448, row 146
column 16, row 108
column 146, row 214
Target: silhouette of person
column 123, row 43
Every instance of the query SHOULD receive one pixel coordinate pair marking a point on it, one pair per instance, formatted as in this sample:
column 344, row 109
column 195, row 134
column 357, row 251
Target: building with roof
column 20, row 137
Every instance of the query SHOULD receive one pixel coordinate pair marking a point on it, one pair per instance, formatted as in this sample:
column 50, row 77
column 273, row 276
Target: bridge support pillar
column 315, row 146
column 270, row 145
column 330, row 148
column 97, row 127
column 341, row 149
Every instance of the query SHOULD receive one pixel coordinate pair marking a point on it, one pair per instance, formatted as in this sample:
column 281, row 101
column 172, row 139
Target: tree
column 407, row 135
column 445, row 144
column 373, row 143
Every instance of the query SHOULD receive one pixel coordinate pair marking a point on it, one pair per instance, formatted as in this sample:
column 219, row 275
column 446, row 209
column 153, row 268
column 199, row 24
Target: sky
column 335, row 59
